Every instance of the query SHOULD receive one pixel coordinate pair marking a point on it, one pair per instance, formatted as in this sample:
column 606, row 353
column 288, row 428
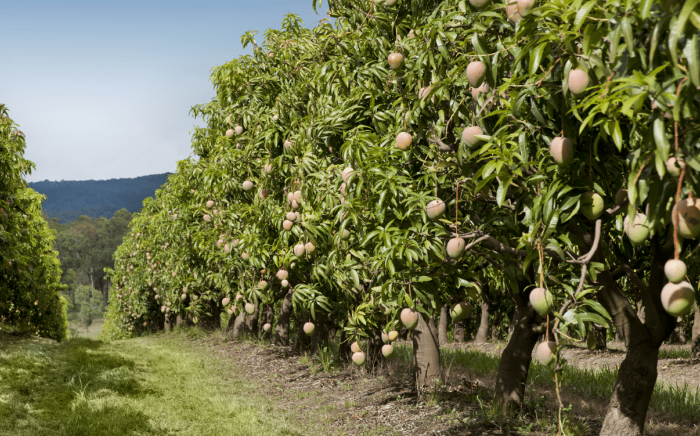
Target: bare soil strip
column 351, row 401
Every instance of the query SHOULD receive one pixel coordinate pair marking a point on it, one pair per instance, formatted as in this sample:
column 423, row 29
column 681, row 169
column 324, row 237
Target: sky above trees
column 103, row 89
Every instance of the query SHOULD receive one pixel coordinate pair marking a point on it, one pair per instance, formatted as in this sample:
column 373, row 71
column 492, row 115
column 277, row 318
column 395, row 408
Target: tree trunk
column 640, row 310
column 513, row 322
column 344, row 348
column 618, row 336
column 517, row 356
column 167, row 325
column 459, row 331
column 251, row 322
column 442, row 326
column 482, row 333
column 628, row 406
column 627, row 410
column 373, row 350
column 238, row 324
column 599, row 340
column 303, row 340
column 695, row 338
column 495, row 337
column 320, row 336
column 682, row 329
column 178, row 320
column 269, row 316
column 426, row 353
column 403, row 333
column 281, row 337
column 212, row 321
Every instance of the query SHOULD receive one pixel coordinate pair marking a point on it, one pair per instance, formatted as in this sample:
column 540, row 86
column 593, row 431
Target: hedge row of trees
column 30, row 272
column 419, row 156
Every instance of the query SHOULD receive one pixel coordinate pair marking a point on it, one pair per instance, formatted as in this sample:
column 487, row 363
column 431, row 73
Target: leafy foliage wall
column 30, row 272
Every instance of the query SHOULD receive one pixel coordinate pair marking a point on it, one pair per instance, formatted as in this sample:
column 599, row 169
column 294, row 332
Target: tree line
column 85, row 248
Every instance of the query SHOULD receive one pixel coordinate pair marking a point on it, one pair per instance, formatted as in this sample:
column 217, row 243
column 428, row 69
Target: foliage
column 90, row 305
column 323, row 109
column 30, row 271
column 85, row 247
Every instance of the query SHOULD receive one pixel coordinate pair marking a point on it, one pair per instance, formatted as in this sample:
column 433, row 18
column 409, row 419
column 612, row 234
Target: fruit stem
column 556, row 385
column 457, row 209
column 436, row 178
column 539, row 248
column 676, row 245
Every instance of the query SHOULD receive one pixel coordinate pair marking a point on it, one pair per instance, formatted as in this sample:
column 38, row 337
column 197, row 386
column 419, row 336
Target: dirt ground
column 352, row 401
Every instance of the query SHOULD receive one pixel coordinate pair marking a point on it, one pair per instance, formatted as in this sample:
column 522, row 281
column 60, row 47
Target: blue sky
column 102, row 89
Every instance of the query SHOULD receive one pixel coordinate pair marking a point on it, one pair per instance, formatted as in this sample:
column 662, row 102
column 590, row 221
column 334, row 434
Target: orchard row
column 416, row 157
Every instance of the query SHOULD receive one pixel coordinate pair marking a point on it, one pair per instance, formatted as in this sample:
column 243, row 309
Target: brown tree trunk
column 628, row 406
column 517, row 356
column 282, row 329
column 426, row 353
column 482, row 333
column 640, row 310
column 403, row 333
column 513, row 322
column 373, row 350
column 251, row 321
column 618, row 336
column 442, row 326
column 320, row 336
column 212, row 321
column 303, row 340
column 627, row 410
column 495, row 337
column 459, row 331
column 344, row 348
column 178, row 320
column 695, row 339
column 600, row 336
column 167, row 324
column 682, row 329
column 269, row 316
column 238, row 324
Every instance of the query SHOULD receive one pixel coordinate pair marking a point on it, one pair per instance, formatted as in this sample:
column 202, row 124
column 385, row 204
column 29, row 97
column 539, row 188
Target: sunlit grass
column 154, row 385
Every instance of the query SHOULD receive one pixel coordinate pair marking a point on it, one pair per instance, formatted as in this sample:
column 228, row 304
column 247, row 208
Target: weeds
column 678, row 401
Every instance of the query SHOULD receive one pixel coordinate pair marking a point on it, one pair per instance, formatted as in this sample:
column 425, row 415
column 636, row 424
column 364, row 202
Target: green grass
column 680, row 402
column 675, row 353
column 157, row 385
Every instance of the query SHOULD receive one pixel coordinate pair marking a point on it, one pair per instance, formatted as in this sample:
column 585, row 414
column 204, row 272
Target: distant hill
column 69, row 199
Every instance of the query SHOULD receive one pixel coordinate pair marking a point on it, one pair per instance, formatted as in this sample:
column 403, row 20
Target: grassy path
column 159, row 385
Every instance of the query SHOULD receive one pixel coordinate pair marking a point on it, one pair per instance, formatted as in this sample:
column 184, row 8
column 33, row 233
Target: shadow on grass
column 69, row 389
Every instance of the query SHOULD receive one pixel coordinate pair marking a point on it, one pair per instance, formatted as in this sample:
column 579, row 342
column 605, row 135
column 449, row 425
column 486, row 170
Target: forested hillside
column 68, row 200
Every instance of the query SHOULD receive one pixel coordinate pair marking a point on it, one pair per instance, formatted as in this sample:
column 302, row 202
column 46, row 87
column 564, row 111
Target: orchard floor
column 354, row 402
column 673, row 370
column 192, row 382
column 157, row 385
